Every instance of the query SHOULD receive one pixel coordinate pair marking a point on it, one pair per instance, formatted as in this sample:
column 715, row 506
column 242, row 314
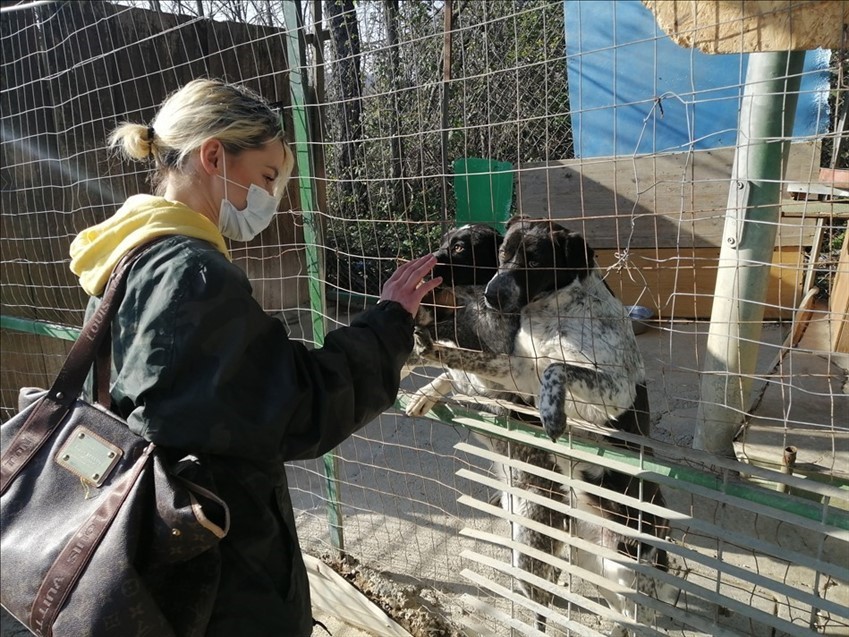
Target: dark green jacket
column 199, row 367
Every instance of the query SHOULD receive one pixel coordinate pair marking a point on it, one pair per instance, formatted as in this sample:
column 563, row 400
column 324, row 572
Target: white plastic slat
column 521, row 600
column 481, row 609
column 566, row 510
column 727, row 569
column 837, row 571
column 667, row 454
column 581, row 544
column 717, row 496
column 555, row 617
column 684, row 585
column 691, row 620
column 503, row 618
column 574, row 483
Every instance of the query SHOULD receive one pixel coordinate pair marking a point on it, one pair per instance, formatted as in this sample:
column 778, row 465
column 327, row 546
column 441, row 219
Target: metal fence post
column 312, row 233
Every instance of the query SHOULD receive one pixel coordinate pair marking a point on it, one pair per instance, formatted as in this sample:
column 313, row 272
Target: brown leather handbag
column 102, row 534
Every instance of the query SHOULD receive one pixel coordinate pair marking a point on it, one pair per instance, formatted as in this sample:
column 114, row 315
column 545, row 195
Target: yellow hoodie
column 97, row 250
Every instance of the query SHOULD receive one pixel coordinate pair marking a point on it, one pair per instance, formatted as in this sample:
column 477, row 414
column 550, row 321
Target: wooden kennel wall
column 661, row 218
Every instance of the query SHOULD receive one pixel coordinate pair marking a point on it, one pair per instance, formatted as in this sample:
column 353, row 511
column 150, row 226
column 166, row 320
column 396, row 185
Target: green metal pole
column 303, row 157
column 312, row 233
column 767, row 113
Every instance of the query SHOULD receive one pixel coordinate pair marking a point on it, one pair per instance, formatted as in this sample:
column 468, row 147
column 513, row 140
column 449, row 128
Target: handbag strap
column 103, row 371
column 50, row 410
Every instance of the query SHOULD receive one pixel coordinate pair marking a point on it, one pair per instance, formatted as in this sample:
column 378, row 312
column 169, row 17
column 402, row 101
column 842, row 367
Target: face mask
column 244, row 225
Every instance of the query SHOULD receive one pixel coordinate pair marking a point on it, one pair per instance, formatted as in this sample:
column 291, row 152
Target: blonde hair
column 201, row 110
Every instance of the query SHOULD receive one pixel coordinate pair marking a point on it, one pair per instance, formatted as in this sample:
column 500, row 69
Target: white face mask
column 244, row 225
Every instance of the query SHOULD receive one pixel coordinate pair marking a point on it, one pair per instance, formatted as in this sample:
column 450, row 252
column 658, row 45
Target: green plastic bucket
column 483, row 189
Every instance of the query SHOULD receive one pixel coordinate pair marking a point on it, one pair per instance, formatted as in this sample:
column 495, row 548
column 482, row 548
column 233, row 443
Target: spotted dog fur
column 524, row 536
column 575, row 355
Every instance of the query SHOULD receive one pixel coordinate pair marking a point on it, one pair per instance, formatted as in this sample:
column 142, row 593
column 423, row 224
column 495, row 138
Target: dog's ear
column 580, row 256
column 491, row 233
column 515, row 219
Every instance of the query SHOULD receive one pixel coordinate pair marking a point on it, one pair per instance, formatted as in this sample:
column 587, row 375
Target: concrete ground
column 804, row 400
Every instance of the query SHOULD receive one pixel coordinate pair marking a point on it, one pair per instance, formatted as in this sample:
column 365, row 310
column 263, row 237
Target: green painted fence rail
column 798, row 505
column 39, row 328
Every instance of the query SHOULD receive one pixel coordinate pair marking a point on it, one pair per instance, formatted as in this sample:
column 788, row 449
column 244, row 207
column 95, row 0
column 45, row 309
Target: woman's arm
column 200, row 366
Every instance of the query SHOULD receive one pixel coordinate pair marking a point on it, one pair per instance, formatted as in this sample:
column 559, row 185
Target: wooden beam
column 732, row 26
column 679, row 284
column 665, row 200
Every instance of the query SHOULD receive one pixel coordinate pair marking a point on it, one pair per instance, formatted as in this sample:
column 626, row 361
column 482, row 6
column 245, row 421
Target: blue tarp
column 623, row 69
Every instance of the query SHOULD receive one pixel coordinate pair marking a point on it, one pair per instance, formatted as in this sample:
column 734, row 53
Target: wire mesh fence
column 625, row 140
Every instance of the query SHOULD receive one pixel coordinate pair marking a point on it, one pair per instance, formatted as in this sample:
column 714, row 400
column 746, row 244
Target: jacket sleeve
column 199, row 366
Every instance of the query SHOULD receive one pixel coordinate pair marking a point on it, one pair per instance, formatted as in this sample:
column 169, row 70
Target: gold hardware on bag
column 87, row 455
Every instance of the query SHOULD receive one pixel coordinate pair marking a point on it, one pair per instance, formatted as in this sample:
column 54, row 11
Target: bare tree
column 345, row 40
column 396, row 143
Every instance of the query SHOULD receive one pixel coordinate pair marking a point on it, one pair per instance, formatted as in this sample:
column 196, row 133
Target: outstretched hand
column 407, row 285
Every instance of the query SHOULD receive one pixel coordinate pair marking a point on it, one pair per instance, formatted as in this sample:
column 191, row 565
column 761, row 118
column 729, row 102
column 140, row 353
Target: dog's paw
column 420, row 404
column 555, row 427
column 553, row 415
column 552, row 401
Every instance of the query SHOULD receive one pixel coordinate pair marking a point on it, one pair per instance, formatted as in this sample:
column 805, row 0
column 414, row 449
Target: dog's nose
column 502, row 293
column 490, row 297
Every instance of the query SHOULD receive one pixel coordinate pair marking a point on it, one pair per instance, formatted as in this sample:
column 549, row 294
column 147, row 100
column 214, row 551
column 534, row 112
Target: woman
column 198, row 366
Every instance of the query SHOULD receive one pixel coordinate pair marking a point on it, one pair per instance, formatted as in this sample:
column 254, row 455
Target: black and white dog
column 467, row 258
column 574, row 356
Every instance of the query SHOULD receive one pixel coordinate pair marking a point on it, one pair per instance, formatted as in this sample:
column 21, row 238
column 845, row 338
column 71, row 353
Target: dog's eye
column 533, row 264
column 458, row 247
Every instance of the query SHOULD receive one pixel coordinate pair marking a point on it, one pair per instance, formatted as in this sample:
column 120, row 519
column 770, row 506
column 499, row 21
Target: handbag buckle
column 88, row 456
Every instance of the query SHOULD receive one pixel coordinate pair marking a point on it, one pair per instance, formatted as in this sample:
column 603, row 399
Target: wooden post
column 839, row 303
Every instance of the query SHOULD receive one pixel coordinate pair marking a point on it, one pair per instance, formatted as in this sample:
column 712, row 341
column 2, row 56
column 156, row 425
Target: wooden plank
column 815, row 209
column 337, row 597
column 651, row 201
column 827, row 191
column 679, row 284
column 839, row 303
column 749, row 27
